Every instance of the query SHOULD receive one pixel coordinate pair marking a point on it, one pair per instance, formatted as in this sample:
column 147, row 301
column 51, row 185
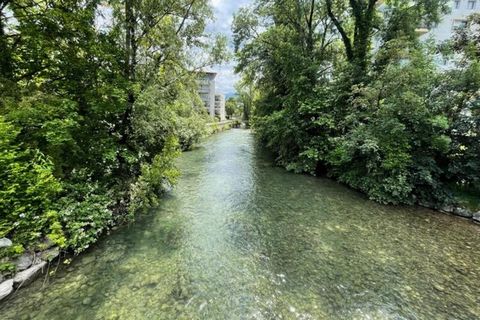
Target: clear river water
column 241, row 239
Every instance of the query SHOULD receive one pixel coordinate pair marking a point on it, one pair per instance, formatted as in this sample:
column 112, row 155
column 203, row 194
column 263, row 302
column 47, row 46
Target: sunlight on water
column 241, row 239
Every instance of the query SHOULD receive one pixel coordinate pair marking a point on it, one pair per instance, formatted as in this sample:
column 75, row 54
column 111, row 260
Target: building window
column 457, row 4
column 471, row 4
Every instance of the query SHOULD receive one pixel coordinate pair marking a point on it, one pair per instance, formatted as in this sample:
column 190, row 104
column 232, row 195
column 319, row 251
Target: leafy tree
column 156, row 34
column 356, row 21
column 398, row 139
column 246, row 96
column 158, row 116
column 91, row 115
column 383, row 121
column 458, row 96
column 233, row 107
column 27, row 190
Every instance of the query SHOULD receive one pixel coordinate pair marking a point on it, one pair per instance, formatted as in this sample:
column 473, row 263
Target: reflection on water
column 241, row 239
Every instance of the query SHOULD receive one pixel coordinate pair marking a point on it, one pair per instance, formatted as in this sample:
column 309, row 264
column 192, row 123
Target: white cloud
column 224, row 10
column 217, row 3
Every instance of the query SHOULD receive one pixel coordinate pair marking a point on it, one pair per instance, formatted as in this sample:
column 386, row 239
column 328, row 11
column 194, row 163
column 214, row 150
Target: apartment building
column 206, row 90
column 214, row 102
column 220, row 106
column 457, row 18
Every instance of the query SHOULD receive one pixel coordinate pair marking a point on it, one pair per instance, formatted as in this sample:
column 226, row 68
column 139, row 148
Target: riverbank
column 35, row 263
column 457, row 211
column 28, row 266
column 24, row 268
column 220, row 126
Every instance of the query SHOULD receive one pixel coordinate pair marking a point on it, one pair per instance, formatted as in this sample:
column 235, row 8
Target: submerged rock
column 202, row 306
column 463, row 212
column 447, row 209
column 87, row 259
column 114, row 254
column 438, row 287
column 167, row 186
column 5, row 289
column 27, row 276
column 426, row 204
column 5, row 243
column 476, row 217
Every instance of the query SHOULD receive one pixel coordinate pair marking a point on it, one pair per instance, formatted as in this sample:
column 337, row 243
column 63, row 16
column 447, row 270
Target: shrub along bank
column 92, row 116
column 386, row 122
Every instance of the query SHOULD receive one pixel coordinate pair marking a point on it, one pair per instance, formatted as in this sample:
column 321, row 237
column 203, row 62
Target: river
column 241, row 239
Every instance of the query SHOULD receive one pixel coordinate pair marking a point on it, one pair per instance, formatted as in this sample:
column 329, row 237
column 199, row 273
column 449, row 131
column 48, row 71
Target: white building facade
column 457, row 18
column 213, row 102
column 206, row 90
column 220, row 106
column 460, row 10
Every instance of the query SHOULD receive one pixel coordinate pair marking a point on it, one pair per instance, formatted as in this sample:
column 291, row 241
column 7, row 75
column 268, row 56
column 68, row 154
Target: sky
column 223, row 11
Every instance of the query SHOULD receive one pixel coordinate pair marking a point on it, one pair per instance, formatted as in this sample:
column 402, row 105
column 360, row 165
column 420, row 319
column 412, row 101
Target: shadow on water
column 242, row 239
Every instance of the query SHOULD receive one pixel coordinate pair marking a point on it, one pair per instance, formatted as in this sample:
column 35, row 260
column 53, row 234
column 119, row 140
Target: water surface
column 241, row 239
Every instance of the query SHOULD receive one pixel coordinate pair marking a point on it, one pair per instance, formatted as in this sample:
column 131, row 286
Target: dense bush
column 458, row 95
column 382, row 121
column 156, row 178
column 27, row 191
column 85, row 219
column 91, row 116
column 397, row 137
column 157, row 117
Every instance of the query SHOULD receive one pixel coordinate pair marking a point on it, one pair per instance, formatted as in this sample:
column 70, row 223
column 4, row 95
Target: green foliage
column 458, row 96
column 233, row 107
column 27, row 189
column 7, row 267
column 89, row 114
column 85, row 219
column 156, row 178
column 159, row 115
column 396, row 139
column 385, row 122
column 48, row 124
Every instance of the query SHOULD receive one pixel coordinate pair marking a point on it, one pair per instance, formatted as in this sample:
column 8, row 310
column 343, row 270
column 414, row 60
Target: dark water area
column 241, row 239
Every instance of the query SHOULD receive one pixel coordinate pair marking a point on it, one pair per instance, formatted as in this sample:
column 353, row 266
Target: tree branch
column 346, row 40
column 185, row 17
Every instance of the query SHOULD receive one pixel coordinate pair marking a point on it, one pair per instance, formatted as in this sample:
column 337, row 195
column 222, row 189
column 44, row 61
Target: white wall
column 220, row 106
column 206, row 90
column 445, row 29
column 212, row 95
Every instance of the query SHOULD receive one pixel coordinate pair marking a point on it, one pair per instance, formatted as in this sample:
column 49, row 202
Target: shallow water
column 241, row 239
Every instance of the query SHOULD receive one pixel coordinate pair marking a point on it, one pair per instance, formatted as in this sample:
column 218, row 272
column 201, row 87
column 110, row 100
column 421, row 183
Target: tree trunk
column 357, row 52
column 129, row 73
column 6, row 70
column 130, row 63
